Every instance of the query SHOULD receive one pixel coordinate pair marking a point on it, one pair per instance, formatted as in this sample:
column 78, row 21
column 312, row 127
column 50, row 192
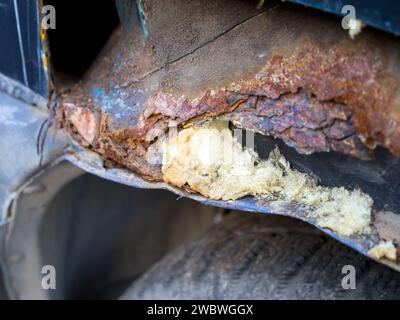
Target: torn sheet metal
column 289, row 75
column 312, row 87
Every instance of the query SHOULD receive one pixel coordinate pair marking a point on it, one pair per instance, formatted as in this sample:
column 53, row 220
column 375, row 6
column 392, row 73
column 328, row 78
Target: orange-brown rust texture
column 125, row 147
column 316, row 99
column 130, row 147
column 304, row 123
column 351, row 74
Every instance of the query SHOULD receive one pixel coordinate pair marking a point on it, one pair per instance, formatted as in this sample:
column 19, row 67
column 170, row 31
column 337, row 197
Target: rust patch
column 304, row 123
column 345, row 73
column 94, row 134
column 130, row 146
column 317, row 99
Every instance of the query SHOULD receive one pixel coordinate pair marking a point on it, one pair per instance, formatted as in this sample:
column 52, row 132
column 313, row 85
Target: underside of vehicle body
column 199, row 149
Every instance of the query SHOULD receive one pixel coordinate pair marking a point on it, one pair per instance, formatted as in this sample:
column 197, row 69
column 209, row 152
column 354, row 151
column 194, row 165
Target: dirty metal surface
column 312, row 87
column 28, row 143
column 286, row 74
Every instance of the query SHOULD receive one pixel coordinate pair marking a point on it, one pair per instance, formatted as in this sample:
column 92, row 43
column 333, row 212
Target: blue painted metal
column 382, row 14
column 22, row 50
